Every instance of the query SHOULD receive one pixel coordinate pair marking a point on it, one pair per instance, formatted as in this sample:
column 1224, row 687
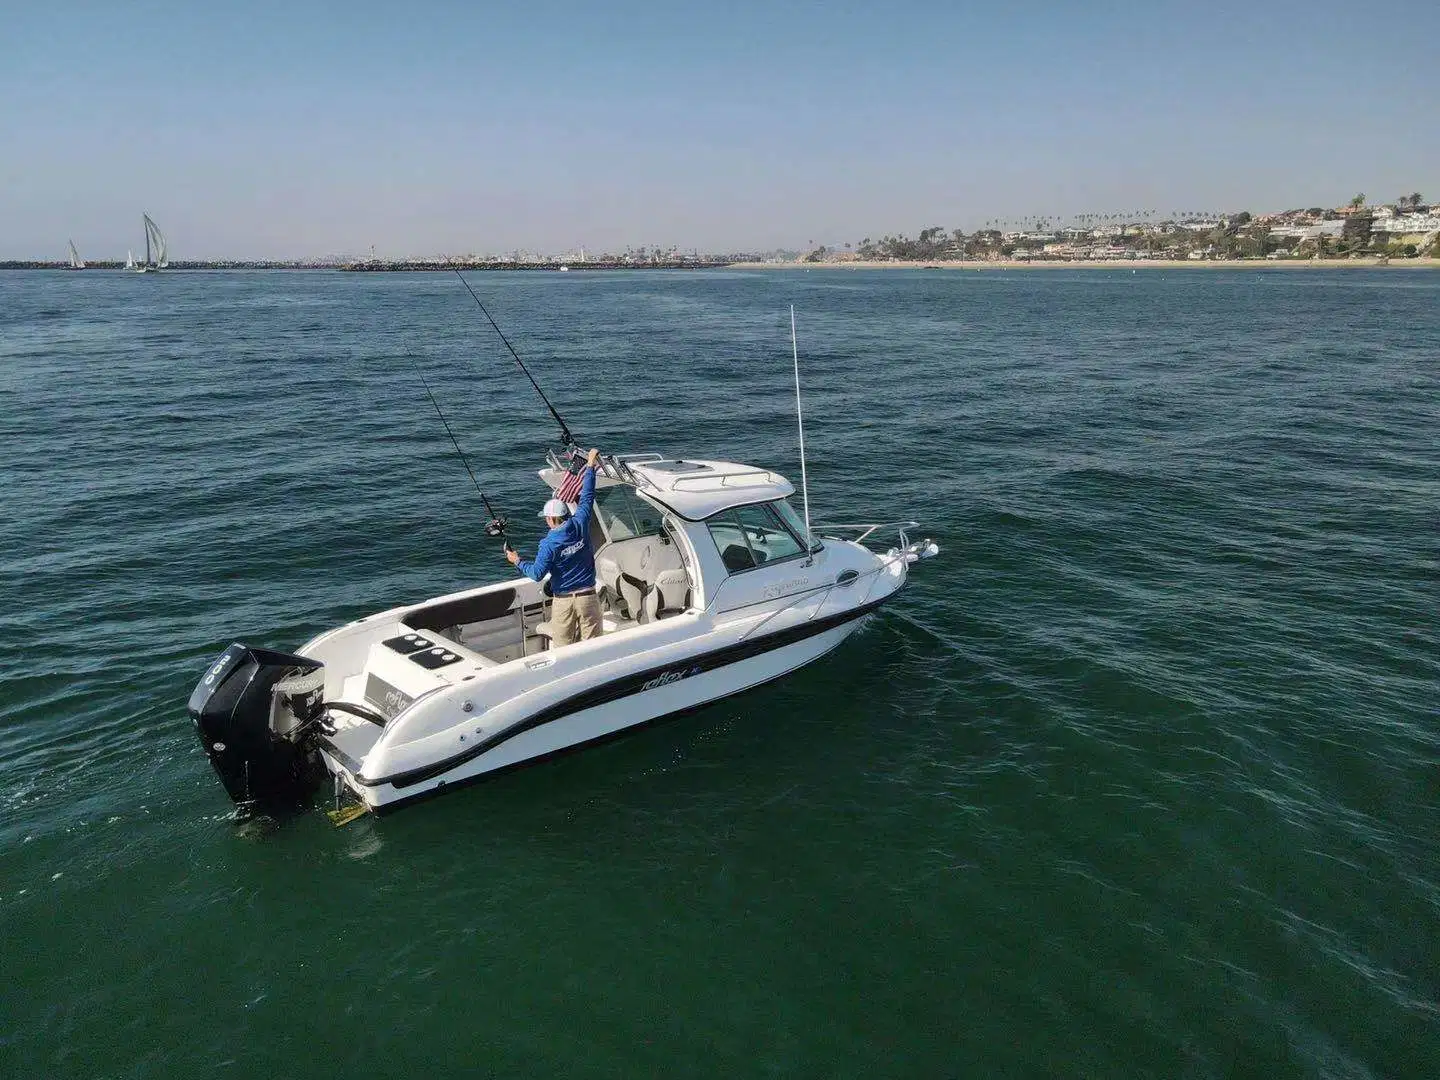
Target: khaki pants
column 574, row 618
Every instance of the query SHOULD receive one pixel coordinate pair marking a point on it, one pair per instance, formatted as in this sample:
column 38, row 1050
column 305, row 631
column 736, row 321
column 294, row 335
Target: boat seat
column 607, row 583
column 670, row 596
column 737, row 558
column 622, row 592
column 468, row 609
column 629, row 570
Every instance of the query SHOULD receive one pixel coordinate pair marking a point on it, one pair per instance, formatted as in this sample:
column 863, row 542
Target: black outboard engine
column 255, row 711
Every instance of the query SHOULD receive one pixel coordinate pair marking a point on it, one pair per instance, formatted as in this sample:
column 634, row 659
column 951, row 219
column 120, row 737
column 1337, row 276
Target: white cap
column 556, row 508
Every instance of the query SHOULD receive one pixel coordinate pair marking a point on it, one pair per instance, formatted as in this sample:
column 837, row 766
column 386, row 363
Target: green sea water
column 1138, row 779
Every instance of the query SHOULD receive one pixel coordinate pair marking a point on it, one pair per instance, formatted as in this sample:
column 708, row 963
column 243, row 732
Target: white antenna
column 800, row 419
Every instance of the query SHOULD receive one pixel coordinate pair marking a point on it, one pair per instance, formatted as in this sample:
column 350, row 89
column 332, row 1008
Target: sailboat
column 76, row 263
column 155, row 254
column 130, row 261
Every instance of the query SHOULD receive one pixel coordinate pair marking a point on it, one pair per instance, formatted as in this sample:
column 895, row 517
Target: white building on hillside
column 1308, row 232
column 1407, row 223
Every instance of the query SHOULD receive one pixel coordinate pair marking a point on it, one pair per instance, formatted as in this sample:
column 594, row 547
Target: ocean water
column 1139, row 778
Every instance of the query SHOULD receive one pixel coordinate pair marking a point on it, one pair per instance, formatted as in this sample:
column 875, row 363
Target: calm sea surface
column 1140, row 778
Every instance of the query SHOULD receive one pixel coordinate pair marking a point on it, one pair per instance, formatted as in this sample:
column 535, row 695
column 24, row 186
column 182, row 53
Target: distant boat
column 130, row 261
column 76, row 263
column 155, row 255
column 564, row 268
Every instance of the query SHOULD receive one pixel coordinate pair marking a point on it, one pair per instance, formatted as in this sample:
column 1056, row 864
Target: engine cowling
column 252, row 710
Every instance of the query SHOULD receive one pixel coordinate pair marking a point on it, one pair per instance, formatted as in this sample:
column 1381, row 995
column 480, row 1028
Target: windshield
column 749, row 536
column 624, row 514
column 795, row 521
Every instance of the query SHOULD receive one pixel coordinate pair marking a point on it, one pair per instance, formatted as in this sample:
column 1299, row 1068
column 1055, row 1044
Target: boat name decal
column 385, row 697
column 780, row 588
column 668, row 677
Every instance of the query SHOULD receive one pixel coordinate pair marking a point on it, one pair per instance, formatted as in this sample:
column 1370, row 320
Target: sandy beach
column 1107, row 264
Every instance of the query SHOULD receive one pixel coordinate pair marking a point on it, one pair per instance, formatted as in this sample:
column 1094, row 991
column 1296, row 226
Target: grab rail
column 616, row 466
column 866, row 531
column 824, row 592
column 719, row 481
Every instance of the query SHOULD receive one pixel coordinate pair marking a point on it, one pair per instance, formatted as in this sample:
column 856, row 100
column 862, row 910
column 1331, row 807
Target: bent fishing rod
column 496, row 525
column 567, row 440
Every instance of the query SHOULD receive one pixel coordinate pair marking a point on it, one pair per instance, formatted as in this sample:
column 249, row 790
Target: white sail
column 76, row 263
column 129, row 260
column 155, row 254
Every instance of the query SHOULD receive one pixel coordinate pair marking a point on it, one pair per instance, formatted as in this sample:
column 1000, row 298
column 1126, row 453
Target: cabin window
column 624, row 514
column 750, row 536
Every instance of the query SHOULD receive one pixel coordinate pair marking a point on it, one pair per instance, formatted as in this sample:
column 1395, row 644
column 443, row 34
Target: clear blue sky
column 302, row 128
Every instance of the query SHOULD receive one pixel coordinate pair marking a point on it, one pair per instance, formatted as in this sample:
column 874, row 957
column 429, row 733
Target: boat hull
column 623, row 705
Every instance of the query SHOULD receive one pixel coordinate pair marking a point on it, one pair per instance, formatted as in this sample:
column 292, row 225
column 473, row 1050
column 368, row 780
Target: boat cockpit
column 661, row 530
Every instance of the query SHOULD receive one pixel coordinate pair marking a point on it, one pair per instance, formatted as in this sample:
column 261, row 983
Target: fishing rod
column 566, row 438
column 497, row 524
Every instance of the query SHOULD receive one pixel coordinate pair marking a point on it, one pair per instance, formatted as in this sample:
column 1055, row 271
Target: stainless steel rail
column 715, row 482
column 868, row 530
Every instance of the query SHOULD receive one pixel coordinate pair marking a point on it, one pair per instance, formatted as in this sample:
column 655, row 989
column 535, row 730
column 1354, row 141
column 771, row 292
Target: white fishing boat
column 156, row 256
column 708, row 587
column 76, row 263
column 709, row 583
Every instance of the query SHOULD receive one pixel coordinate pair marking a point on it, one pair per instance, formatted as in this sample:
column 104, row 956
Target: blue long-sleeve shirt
column 565, row 553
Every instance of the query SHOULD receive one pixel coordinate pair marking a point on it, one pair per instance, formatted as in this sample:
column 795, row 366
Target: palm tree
column 1415, row 201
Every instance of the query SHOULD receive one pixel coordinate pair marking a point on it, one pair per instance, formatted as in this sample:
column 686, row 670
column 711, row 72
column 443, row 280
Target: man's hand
column 592, row 459
column 512, row 555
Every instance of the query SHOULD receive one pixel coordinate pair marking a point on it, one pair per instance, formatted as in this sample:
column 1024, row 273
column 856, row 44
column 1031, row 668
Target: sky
column 304, row 129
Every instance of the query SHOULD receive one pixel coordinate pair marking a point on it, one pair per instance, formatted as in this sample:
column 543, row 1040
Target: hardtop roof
column 694, row 488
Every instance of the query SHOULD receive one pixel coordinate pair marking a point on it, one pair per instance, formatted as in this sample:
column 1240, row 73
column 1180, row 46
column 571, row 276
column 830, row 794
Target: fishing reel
column 497, row 526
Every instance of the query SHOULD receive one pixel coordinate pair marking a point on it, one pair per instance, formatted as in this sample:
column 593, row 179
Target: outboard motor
column 254, row 712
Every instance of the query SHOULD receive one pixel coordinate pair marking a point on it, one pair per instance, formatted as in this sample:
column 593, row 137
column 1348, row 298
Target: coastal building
column 1405, row 224
column 1331, row 229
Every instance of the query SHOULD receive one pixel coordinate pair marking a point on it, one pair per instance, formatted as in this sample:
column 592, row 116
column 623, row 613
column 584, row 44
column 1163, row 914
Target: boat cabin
column 669, row 537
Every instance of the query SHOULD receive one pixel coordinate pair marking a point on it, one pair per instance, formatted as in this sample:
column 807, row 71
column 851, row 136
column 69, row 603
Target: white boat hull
column 589, row 725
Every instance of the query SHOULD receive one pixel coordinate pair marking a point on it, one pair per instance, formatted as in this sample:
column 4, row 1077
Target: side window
column 750, row 536
column 730, row 541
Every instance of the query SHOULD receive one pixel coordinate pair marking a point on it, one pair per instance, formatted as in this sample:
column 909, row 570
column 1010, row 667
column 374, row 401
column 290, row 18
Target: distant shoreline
column 1375, row 263
column 378, row 266
column 1366, row 263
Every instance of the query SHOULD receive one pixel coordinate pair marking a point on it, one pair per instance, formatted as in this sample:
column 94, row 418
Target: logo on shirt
column 571, row 549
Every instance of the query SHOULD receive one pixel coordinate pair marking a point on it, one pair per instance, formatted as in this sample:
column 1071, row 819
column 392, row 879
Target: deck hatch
column 408, row 643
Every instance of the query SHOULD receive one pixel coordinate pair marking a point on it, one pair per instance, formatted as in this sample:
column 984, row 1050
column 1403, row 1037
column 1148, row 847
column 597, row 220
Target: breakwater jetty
column 384, row 265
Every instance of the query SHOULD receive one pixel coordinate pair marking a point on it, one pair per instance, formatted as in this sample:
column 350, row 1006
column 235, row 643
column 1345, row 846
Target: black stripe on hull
column 610, row 736
column 625, row 687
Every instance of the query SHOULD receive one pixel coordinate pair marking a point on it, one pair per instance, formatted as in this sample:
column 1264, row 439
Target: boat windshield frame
column 782, row 524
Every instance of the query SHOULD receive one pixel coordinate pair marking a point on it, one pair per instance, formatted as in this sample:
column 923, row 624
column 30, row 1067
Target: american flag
column 569, row 489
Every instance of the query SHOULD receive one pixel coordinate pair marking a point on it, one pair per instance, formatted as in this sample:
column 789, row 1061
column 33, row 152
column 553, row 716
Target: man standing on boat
column 568, row 557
